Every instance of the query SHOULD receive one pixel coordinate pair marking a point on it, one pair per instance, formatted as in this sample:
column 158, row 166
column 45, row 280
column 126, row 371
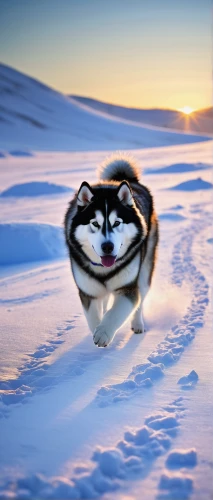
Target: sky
column 138, row 53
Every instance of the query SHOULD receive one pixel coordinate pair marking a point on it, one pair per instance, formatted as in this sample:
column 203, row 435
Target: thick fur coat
column 111, row 232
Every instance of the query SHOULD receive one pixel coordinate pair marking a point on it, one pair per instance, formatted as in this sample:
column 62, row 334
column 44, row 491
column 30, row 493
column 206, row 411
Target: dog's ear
column 85, row 195
column 124, row 194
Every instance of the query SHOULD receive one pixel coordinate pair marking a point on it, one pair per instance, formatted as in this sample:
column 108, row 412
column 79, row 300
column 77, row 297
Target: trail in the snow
column 28, row 298
column 36, row 374
column 171, row 348
column 131, row 458
column 33, row 375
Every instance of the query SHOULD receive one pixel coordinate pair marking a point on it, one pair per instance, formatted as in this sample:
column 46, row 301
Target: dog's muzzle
column 108, row 260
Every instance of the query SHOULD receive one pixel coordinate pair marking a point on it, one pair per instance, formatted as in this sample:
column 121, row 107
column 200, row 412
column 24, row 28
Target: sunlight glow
column 187, row 110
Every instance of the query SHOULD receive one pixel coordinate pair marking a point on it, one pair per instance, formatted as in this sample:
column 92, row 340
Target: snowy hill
column 34, row 116
column 200, row 121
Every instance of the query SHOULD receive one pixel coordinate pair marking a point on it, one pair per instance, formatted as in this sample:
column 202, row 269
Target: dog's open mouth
column 108, row 260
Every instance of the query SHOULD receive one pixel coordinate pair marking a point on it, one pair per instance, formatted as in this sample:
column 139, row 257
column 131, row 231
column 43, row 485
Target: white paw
column 101, row 337
column 138, row 327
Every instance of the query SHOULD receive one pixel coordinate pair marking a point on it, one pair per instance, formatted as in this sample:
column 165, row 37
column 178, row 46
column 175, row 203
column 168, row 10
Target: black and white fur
column 112, row 232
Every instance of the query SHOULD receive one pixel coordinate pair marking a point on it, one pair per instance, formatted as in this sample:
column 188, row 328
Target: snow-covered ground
column 131, row 421
column 122, row 422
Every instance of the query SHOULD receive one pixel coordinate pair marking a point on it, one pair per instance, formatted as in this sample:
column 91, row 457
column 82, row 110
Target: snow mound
column 20, row 153
column 179, row 485
column 173, row 217
column 193, row 185
column 34, row 189
column 30, row 242
column 178, row 168
column 177, row 207
column 182, row 458
column 2, row 155
column 188, row 381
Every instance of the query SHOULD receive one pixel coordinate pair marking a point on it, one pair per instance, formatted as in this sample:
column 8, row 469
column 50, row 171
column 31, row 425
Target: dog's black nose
column 107, row 247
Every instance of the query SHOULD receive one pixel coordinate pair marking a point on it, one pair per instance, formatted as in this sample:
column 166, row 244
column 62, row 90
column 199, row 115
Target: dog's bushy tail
column 119, row 167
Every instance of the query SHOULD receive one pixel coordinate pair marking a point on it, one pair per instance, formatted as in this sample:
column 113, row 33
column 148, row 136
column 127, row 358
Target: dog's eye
column 95, row 223
column 117, row 223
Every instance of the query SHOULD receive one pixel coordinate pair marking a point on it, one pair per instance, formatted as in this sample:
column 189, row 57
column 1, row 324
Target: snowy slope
column 200, row 121
column 131, row 421
column 34, row 116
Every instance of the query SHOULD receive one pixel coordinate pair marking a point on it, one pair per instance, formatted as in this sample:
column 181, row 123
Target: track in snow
column 131, row 458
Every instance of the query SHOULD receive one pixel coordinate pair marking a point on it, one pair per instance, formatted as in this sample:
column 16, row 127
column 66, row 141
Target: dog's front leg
column 93, row 310
column 125, row 303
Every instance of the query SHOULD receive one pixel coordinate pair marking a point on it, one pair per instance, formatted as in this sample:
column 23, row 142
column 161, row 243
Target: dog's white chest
column 86, row 283
column 94, row 288
column 125, row 276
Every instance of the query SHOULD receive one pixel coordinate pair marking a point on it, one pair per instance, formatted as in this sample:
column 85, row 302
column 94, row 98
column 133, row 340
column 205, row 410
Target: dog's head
column 107, row 224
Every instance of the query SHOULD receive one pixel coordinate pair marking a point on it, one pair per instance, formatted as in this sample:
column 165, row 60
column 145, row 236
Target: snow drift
column 193, row 185
column 34, row 189
column 178, row 168
column 19, row 153
column 30, row 242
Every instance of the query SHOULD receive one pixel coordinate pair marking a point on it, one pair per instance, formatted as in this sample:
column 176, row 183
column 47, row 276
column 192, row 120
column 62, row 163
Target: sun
column 186, row 110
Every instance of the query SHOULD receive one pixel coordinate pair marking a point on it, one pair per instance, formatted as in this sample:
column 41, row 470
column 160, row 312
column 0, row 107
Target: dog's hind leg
column 145, row 276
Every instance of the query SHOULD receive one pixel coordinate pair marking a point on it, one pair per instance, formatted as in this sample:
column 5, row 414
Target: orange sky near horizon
column 132, row 53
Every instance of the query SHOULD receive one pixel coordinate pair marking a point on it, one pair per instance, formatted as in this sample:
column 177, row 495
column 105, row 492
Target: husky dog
column 111, row 232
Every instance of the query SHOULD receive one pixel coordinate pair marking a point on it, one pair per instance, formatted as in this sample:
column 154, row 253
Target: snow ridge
column 33, row 242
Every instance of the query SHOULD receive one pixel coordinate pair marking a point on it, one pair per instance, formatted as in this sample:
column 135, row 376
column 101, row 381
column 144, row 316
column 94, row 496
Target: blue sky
column 140, row 53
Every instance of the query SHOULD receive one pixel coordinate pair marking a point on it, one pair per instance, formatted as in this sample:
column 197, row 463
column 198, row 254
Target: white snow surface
column 133, row 420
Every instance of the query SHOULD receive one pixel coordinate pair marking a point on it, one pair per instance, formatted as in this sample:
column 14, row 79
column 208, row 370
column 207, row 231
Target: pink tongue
column 108, row 260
